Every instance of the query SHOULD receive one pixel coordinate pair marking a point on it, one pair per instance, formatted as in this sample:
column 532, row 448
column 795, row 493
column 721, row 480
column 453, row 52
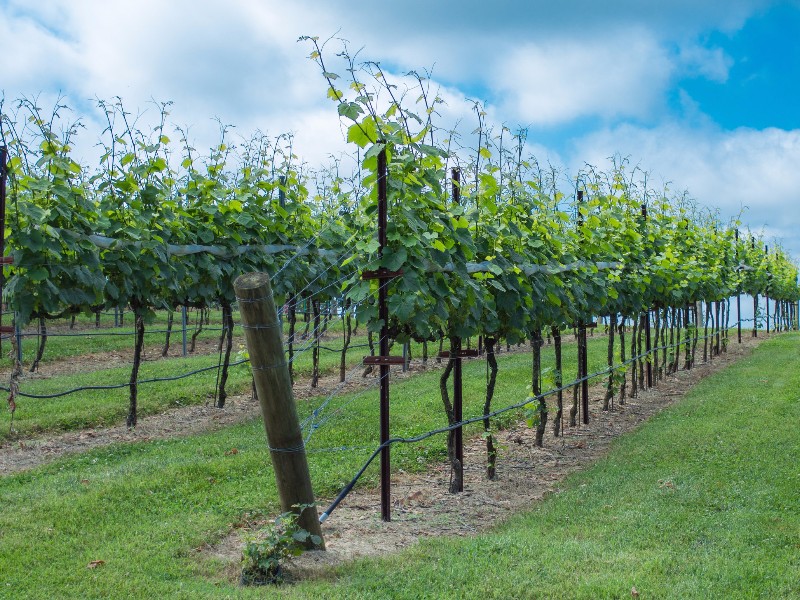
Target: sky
column 700, row 94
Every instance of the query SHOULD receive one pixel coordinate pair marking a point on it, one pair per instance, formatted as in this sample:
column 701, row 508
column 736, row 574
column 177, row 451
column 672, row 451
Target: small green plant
column 266, row 552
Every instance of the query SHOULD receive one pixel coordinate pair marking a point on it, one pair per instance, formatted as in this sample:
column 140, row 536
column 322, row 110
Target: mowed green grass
column 92, row 408
column 142, row 508
column 104, row 407
column 701, row 502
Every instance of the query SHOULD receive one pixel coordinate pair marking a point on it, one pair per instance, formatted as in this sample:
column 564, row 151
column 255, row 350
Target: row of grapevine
column 155, row 225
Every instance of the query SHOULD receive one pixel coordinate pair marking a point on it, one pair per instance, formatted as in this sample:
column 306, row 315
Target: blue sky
column 701, row 94
column 764, row 79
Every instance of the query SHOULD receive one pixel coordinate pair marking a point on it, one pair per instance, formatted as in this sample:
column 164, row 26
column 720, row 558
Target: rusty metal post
column 383, row 315
column 647, row 341
column 766, row 291
column 583, row 362
column 3, row 176
column 5, row 260
column 738, row 292
column 755, row 297
column 458, row 386
column 383, row 360
column 282, row 191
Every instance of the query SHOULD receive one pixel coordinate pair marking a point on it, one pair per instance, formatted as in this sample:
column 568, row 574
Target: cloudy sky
column 702, row 94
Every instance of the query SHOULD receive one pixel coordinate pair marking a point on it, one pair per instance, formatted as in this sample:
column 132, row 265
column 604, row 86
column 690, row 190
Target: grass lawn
column 92, row 408
column 702, row 502
column 728, row 525
column 141, row 508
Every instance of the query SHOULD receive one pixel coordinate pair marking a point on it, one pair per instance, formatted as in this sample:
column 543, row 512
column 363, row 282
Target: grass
column 63, row 342
column 92, row 408
column 85, row 338
column 702, row 502
column 143, row 507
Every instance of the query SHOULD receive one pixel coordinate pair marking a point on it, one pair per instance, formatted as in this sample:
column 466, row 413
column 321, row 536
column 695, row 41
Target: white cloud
column 744, row 170
column 710, row 63
column 558, row 81
column 538, row 63
column 33, row 55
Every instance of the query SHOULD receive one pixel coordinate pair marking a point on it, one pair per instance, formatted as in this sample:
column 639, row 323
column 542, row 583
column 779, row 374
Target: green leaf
column 554, row 299
column 393, row 260
column 351, row 110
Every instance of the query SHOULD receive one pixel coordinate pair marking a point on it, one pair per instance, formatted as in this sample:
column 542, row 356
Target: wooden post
column 274, row 387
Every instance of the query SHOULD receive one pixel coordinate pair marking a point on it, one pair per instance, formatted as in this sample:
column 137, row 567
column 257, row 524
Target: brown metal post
column 383, row 360
column 647, row 341
column 383, row 315
column 583, row 356
column 458, row 386
column 738, row 293
column 3, row 176
column 766, row 291
column 755, row 297
column 278, row 408
column 4, row 260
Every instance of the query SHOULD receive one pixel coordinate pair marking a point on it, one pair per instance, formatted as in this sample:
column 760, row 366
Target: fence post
column 583, row 368
column 648, row 345
column 766, row 289
column 5, row 260
column 183, row 327
column 738, row 292
column 383, row 361
column 278, row 409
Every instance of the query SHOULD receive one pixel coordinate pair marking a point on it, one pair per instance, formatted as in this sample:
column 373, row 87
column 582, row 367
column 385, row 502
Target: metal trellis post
column 5, row 260
column 383, row 360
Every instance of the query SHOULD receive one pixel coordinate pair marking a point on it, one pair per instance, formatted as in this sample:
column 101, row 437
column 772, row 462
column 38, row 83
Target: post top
column 250, row 281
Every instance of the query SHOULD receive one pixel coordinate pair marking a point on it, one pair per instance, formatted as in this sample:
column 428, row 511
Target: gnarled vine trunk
column 138, row 312
column 541, row 407
column 197, row 330
column 624, row 379
column 573, row 410
column 559, row 381
column 347, row 327
column 227, row 330
column 165, row 350
column 315, row 351
column 612, row 325
column 42, row 343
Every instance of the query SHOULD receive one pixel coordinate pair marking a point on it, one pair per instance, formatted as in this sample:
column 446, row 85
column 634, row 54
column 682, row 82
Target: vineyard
column 453, row 259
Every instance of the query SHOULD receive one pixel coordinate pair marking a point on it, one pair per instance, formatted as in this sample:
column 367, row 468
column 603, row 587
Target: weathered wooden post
column 274, row 387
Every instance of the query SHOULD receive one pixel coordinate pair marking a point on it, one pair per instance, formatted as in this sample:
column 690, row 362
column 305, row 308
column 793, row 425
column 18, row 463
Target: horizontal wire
column 464, row 422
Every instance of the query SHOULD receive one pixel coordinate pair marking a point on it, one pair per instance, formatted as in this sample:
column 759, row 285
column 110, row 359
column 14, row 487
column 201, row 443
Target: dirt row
column 27, row 452
column 422, row 506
